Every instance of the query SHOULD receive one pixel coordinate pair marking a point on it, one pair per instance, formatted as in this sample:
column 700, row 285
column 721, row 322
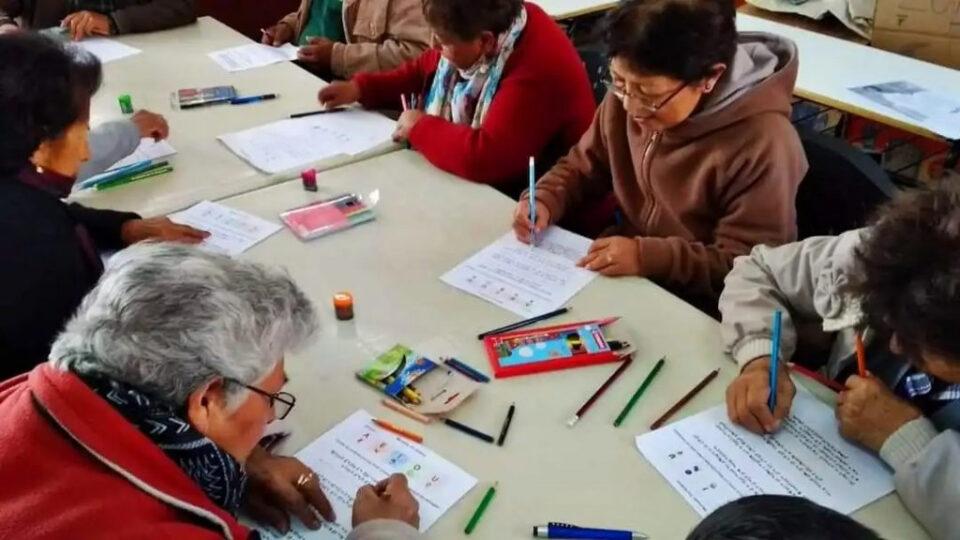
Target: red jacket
column 73, row 467
column 543, row 105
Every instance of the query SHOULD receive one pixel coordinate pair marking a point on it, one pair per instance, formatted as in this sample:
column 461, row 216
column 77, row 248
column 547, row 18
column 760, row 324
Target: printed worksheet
column 148, row 149
column 231, row 231
column 710, row 461
column 106, row 49
column 355, row 453
column 253, row 55
column 527, row 280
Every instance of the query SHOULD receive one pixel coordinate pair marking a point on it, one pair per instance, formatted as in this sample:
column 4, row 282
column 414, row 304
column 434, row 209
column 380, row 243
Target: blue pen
column 533, row 204
column 562, row 530
column 774, row 359
column 466, row 370
column 251, row 99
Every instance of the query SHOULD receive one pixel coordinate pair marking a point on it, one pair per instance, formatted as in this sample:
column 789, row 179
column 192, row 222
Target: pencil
column 478, row 513
column 861, row 356
column 775, row 359
column 523, row 323
column 468, row 430
column 532, row 202
column 413, row 415
column 466, row 370
column 636, row 395
column 600, row 391
column 403, row 101
column 833, row 385
column 398, row 430
column 506, row 424
column 683, row 401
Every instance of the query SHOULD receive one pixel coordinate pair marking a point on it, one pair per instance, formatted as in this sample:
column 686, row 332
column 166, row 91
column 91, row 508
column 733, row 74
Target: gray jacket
column 384, row 529
column 806, row 281
column 129, row 15
column 109, row 143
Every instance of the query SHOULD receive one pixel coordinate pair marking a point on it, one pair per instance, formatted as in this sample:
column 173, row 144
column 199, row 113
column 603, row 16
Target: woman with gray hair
column 153, row 402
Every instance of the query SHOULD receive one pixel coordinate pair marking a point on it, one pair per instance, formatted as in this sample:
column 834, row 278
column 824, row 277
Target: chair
column 842, row 188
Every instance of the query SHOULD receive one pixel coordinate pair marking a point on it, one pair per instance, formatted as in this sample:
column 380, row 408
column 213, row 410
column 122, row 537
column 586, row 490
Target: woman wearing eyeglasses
column 146, row 419
column 694, row 142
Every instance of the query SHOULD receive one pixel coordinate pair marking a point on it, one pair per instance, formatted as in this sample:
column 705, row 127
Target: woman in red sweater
column 502, row 83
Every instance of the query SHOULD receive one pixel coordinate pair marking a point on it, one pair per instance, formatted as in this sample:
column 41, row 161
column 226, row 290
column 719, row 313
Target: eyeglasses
column 281, row 402
column 647, row 108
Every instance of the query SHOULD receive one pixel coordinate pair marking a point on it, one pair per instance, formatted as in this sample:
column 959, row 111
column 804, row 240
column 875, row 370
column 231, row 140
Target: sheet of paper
column 524, row 279
column 231, row 231
column 106, row 49
column 936, row 111
column 252, row 56
column 148, row 149
column 287, row 145
column 711, row 461
column 355, row 453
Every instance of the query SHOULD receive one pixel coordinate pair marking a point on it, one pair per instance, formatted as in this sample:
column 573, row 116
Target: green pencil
column 150, row 173
column 472, row 524
column 636, row 395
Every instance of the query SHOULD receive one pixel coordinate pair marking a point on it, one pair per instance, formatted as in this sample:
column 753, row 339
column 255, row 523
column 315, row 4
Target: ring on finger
column 305, row 479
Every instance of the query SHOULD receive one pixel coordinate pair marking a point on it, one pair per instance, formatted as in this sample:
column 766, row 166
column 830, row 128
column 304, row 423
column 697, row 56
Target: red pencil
column 683, row 401
column 603, row 388
column 833, row 385
column 861, row 356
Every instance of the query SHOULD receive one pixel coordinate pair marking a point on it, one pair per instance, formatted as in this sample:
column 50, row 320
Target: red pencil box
column 550, row 348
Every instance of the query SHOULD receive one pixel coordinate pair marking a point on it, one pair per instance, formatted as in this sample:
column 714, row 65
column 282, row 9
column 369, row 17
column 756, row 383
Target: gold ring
column 305, row 479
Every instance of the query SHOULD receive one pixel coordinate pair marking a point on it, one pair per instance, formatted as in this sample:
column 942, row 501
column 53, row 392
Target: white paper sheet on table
column 356, row 452
column 231, row 231
column 936, row 111
column 711, row 461
column 288, row 144
column 252, row 56
column 524, row 279
column 148, row 149
column 106, row 49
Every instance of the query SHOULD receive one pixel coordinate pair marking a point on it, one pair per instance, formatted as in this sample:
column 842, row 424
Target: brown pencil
column 683, row 401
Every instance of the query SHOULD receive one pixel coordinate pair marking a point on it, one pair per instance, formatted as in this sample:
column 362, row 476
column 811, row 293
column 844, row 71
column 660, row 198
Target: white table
column 203, row 167
column 427, row 223
column 830, row 66
column 568, row 9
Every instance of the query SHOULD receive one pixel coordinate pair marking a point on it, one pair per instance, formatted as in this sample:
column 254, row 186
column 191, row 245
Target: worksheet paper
column 936, row 111
column 106, row 49
column 527, row 280
column 231, row 231
column 355, row 453
column 148, row 149
column 253, row 55
column 710, row 461
column 287, row 145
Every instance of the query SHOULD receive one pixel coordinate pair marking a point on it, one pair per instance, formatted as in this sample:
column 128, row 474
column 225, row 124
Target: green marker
column 636, row 395
column 472, row 524
column 126, row 104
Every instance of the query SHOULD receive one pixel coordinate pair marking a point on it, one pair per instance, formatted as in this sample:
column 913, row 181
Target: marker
column 324, row 111
column 252, row 99
column 466, row 370
column 683, row 401
column 861, row 356
column 775, row 358
column 398, row 430
column 563, row 530
column 506, row 424
column 478, row 513
column 409, row 413
column 636, row 395
column 600, row 391
column 468, row 430
column 523, row 323
column 532, row 202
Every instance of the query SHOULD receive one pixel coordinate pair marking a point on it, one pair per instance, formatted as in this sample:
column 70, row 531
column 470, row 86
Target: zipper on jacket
column 646, row 165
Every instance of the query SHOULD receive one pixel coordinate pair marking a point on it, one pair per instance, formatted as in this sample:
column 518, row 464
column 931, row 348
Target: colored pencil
column 506, row 424
column 403, row 101
column 526, row 322
column 636, row 395
column 600, row 391
column 810, row 374
column 398, row 430
column 775, row 359
column 478, row 513
column 861, row 356
column 411, row 414
column 468, row 430
column 685, row 399
column 466, row 370
column 532, row 201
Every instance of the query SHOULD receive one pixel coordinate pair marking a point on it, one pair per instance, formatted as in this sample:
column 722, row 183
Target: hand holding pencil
column 747, row 397
column 521, row 220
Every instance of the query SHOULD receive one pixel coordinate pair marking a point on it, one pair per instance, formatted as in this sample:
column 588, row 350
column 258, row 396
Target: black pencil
column 506, row 424
column 314, row 113
column 521, row 324
column 468, row 430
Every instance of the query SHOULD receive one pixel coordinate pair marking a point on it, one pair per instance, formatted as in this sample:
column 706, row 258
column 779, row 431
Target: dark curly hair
column 682, row 39
column 910, row 272
column 44, row 88
column 467, row 19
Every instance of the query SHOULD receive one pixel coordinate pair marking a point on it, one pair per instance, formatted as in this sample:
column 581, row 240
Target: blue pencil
column 774, row 359
column 533, row 204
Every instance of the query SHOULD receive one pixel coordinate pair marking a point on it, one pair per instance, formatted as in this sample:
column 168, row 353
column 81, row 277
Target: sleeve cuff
column 338, row 59
column 656, row 257
column 120, row 22
column 383, row 529
column 908, row 442
column 751, row 350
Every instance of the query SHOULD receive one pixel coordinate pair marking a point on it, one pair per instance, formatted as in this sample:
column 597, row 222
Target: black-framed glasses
column 647, row 108
column 281, row 402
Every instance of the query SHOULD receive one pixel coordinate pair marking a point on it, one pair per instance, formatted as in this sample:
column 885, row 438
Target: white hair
column 170, row 318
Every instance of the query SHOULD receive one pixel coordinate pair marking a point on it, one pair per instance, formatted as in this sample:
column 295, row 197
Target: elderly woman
column 153, row 402
column 50, row 248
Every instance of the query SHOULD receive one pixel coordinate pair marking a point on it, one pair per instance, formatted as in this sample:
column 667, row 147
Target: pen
column 532, row 202
column 683, row 401
column 466, row 370
column 324, row 111
column 398, row 430
column 478, row 513
column 506, row 424
column 861, row 356
column 523, row 323
column 468, row 430
column 600, row 391
column 636, row 395
column 775, row 359
column 252, row 99
column 409, row 413
column 563, row 530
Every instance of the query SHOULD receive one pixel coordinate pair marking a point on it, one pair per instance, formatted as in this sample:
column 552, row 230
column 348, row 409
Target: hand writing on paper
column 273, row 492
column 338, row 94
column 83, row 24
column 151, row 125
column 277, row 35
column 613, row 256
column 405, row 124
column 521, row 219
column 869, row 413
column 748, row 394
column 318, row 52
column 390, row 499
column 159, row 228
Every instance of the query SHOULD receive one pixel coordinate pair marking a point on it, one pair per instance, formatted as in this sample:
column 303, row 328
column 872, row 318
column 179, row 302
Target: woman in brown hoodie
column 693, row 139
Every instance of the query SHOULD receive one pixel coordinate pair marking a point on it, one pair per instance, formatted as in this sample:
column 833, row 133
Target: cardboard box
column 924, row 29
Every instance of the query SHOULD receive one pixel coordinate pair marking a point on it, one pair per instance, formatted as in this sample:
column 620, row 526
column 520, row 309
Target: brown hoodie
column 697, row 195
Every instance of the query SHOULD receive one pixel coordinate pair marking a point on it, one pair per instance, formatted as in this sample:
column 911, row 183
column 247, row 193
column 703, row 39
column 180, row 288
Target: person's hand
column 277, row 34
column 405, row 123
column 748, row 394
column 151, row 125
column 159, row 228
column 279, row 486
column 318, row 52
column 521, row 219
column 869, row 413
column 8, row 28
column 84, row 24
column 390, row 499
column 338, row 94
column 613, row 256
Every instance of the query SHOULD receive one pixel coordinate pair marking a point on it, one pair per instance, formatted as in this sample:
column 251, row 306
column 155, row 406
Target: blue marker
column 774, row 359
column 533, row 204
column 562, row 530
column 251, row 99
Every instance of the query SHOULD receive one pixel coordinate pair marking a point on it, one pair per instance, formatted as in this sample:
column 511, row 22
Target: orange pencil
column 398, row 430
column 400, row 408
column 861, row 356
